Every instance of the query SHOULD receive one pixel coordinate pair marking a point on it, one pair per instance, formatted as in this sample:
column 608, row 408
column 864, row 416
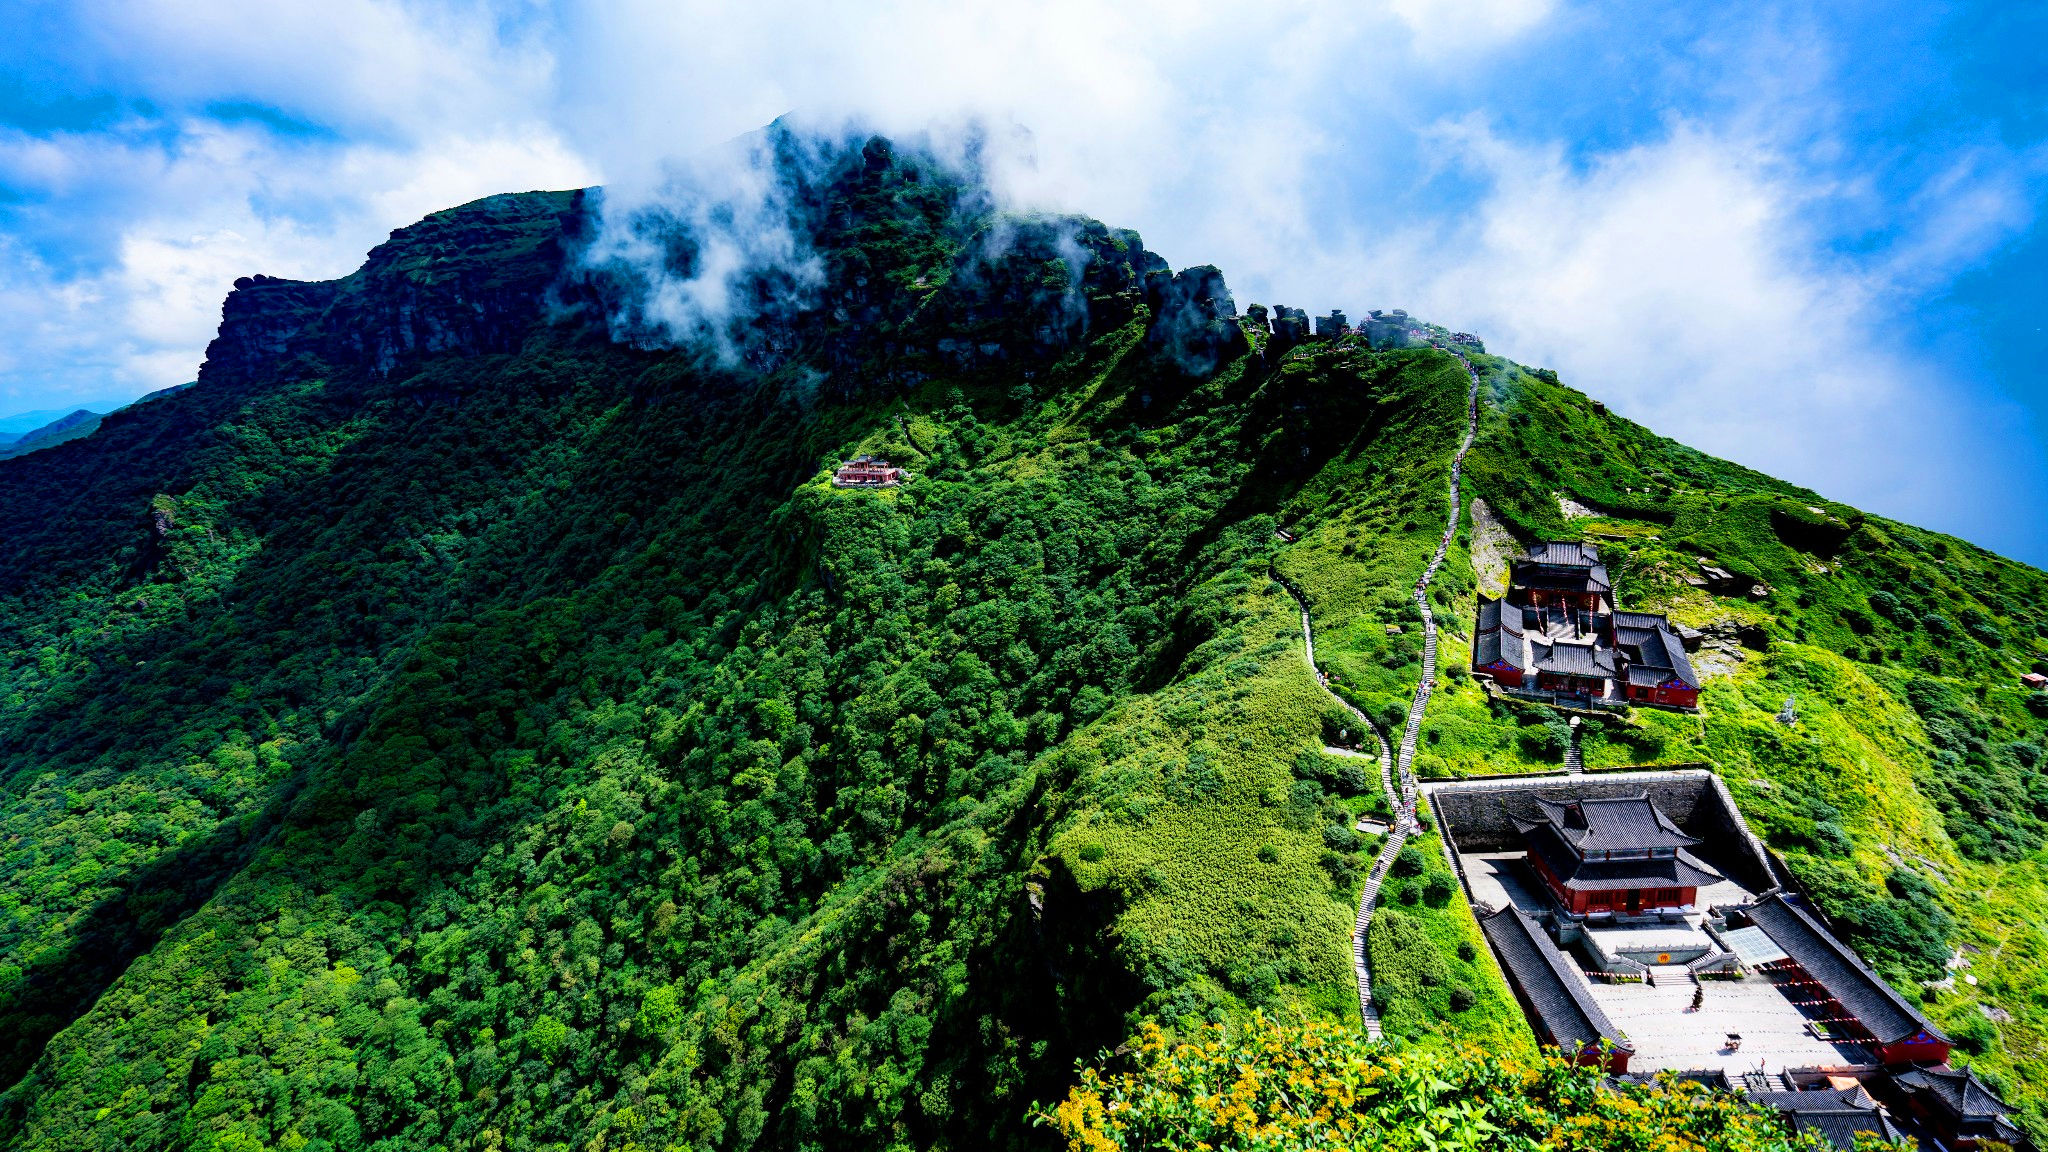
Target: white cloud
column 402, row 71
column 1442, row 26
column 1676, row 280
column 210, row 203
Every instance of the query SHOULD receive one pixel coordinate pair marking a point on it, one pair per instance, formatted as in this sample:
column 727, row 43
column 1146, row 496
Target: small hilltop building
column 867, row 472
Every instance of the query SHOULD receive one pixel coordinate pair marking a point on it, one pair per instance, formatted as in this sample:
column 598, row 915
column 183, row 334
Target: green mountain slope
column 448, row 726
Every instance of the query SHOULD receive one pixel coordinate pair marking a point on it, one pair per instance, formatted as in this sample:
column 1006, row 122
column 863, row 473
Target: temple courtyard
column 1658, row 1018
column 1668, row 1034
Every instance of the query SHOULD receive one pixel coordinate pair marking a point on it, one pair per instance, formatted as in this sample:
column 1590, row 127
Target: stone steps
column 1672, row 976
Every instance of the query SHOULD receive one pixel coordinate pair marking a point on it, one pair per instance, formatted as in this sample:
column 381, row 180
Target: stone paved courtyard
column 1659, row 1020
column 1667, row 1035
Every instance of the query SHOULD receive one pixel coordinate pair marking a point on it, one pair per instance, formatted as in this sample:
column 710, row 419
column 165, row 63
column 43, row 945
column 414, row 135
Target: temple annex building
column 867, row 472
column 1556, row 636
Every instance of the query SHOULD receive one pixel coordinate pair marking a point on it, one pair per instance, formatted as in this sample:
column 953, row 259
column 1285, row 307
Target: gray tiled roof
column 1676, row 659
column 1960, row 1092
column 1561, row 564
column 1655, row 646
column 1574, row 659
column 1488, row 647
column 1867, row 997
column 1564, row 1009
column 1817, row 1098
column 1632, row 637
column 1613, row 823
column 1836, row 1116
column 1489, row 614
column 1564, row 553
column 1495, row 614
column 1526, row 575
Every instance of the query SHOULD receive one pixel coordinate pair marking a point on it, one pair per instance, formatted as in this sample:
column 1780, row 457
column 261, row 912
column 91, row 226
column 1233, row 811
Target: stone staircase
column 1368, row 899
column 1672, row 976
column 1368, row 1012
column 1308, row 637
column 1574, row 760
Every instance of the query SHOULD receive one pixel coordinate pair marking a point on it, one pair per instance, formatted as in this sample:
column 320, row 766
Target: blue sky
column 1809, row 238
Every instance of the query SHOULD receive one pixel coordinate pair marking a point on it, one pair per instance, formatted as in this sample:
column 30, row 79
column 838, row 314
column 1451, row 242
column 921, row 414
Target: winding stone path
column 1402, row 799
column 1367, row 1011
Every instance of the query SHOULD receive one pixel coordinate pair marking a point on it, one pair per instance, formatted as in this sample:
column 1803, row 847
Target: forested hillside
column 464, row 720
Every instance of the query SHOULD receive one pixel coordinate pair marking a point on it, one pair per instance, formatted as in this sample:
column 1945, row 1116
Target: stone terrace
column 1667, row 1034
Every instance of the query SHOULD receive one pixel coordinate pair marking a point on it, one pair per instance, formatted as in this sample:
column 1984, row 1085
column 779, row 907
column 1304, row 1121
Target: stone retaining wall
column 1478, row 815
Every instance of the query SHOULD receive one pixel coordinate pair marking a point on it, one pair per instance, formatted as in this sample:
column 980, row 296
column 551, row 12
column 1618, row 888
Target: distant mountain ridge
column 24, row 422
column 71, row 426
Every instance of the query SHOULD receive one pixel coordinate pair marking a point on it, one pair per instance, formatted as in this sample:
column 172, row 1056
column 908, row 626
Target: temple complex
column 1644, row 930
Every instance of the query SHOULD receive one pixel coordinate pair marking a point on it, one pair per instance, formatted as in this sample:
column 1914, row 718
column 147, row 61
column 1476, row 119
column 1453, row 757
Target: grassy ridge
column 601, row 790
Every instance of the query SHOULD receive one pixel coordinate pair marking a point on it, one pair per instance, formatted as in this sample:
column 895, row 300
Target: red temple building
column 1656, row 668
column 1499, row 648
column 1556, row 635
column 1619, row 856
column 1555, row 574
column 867, row 472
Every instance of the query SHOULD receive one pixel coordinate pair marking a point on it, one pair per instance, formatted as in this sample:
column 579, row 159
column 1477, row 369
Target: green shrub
column 1890, row 607
column 1974, row 1034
